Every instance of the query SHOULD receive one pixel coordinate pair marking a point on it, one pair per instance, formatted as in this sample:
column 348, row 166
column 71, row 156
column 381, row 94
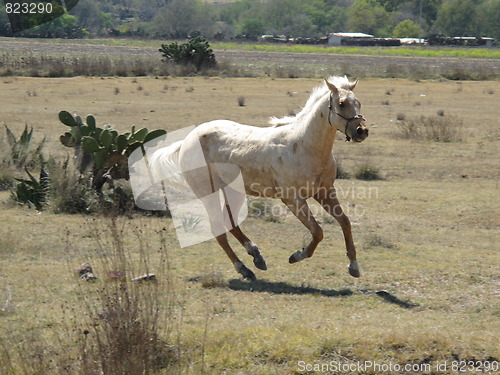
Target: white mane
column 316, row 94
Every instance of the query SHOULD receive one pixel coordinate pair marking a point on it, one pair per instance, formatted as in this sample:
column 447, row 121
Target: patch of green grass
column 438, row 52
column 368, row 172
column 376, row 240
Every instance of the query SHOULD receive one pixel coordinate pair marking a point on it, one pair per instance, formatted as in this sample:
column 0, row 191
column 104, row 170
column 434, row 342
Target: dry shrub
column 7, row 180
column 114, row 326
column 126, row 325
column 368, row 172
column 375, row 240
column 213, row 279
column 341, row 173
column 70, row 191
column 435, row 128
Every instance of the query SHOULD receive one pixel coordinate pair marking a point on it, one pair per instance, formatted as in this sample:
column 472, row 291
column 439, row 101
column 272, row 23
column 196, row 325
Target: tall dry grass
column 114, row 325
column 127, row 323
column 436, row 128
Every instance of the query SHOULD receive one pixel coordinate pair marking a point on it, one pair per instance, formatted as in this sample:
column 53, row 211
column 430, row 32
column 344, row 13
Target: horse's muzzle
column 361, row 133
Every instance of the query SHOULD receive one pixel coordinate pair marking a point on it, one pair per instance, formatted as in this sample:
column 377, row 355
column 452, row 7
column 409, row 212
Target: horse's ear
column 332, row 87
column 352, row 85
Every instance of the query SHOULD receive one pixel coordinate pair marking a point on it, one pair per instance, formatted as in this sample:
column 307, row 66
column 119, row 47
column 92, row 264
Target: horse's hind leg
column 331, row 204
column 251, row 248
column 238, row 265
column 218, row 224
column 216, row 220
column 234, row 200
column 206, row 186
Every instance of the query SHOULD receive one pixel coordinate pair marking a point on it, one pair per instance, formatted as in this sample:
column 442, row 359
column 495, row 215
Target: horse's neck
column 315, row 133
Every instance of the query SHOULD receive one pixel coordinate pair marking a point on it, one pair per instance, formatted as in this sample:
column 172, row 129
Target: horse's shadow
column 284, row 288
column 388, row 297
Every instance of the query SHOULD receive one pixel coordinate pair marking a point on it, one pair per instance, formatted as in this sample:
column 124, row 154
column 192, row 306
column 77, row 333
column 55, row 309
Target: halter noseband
column 355, row 117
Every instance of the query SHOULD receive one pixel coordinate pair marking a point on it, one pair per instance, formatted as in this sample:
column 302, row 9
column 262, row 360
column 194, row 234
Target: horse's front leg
column 331, row 205
column 301, row 210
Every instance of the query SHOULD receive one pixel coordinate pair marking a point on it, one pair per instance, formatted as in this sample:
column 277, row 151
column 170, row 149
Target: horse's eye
column 341, row 105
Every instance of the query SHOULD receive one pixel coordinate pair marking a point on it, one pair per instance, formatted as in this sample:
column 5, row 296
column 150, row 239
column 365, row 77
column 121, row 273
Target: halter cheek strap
column 355, row 117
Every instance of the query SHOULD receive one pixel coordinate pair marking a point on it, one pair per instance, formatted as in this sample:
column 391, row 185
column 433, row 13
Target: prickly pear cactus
column 108, row 149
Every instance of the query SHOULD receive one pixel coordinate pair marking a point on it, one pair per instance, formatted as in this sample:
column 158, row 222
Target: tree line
column 248, row 19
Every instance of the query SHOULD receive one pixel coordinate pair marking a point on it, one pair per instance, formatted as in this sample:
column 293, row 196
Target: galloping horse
column 291, row 160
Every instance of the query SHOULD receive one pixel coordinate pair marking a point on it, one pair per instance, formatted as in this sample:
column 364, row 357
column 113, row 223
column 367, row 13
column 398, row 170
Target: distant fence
column 469, row 41
column 298, row 40
column 435, row 40
column 384, row 42
column 324, row 40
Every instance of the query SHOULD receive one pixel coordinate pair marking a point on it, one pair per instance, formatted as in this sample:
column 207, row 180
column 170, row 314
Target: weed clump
column 265, row 209
column 368, row 172
column 125, row 328
column 438, row 128
column 213, row 280
column 376, row 240
column 113, row 325
column 341, row 172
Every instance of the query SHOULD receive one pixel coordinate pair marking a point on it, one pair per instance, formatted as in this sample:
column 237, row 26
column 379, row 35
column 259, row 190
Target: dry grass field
column 427, row 237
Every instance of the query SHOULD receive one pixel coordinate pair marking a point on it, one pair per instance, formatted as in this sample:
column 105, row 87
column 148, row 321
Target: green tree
column 252, row 28
column 337, row 19
column 64, row 26
column 180, row 18
column 288, row 17
column 5, row 29
column 391, row 5
column 368, row 16
column 325, row 16
column 430, row 10
column 458, row 18
column 489, row 17
column 232, row 13
column 407, row 29
column 91, row 17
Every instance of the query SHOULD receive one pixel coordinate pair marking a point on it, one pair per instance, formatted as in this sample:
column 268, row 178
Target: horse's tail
column 164, row 165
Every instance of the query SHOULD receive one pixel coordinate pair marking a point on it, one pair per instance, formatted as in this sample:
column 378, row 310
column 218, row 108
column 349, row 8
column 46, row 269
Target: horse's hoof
column 354, row 272
column 296, row 257
column 260, row 263
column 247, row 274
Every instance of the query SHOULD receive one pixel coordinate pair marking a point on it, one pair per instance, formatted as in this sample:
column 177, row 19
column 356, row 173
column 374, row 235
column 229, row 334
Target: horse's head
column 344, row 111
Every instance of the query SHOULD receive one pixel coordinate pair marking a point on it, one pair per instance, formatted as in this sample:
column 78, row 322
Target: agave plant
column 31, row 191
column 21, row 152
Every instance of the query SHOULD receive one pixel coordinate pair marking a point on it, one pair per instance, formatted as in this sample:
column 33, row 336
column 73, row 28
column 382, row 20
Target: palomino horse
column 291, row 160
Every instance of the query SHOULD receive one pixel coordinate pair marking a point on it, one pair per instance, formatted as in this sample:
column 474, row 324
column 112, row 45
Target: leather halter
column 348, row 119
